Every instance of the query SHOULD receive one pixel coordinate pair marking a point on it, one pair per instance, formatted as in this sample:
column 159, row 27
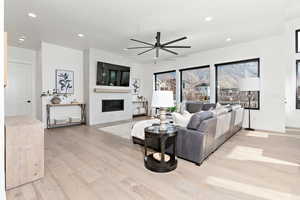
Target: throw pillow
column 208, row 106
column 198, row 118
column 235, row 107
column 194, row 107
column 181, row 120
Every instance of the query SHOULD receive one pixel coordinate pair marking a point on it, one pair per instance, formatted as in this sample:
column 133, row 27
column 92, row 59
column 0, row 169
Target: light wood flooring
column 83, row 163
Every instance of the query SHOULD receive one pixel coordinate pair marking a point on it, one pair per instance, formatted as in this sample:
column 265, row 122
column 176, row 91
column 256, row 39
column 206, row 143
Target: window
column 298, row 84
column 227, row 80
column 194, row 84
column 166, row 81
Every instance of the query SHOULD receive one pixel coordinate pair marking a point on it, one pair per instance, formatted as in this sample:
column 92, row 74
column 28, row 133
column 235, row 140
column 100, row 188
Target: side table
column 160, row 161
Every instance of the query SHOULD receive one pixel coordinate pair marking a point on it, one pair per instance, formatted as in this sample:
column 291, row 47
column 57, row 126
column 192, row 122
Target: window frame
column 297, row 40
column 164, row 72
column 297, row 70
column 187, row 69
column 237, row 62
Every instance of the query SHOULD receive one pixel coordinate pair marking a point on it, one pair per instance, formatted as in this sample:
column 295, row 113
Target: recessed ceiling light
column 228, row 39
column 80, row 35
column 208, row 19
column 32, row 15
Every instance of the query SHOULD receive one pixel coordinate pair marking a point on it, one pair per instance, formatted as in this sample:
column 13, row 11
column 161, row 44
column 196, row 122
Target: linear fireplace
column 109, row 105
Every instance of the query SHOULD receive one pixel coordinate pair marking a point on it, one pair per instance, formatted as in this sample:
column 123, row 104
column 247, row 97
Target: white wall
column 292, row 114
column 57, row 57
column 95, row 115
column 27, row 57
column 271, row 115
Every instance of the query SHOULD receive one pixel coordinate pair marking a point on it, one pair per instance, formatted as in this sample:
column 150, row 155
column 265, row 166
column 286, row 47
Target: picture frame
column 64, row 81
column 297, row 41
column 136, row 85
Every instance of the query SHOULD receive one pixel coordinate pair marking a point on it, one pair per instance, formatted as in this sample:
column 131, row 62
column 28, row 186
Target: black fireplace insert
column 109, row 105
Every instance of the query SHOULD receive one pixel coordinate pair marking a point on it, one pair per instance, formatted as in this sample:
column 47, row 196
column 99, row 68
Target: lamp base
column 249, row 129
column 163, row 120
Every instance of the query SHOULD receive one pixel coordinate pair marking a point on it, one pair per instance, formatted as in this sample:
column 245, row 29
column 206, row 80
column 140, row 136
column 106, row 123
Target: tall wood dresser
column 24, row 150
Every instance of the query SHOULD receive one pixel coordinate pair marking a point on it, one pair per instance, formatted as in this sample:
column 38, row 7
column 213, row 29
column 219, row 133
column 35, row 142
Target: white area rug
column 121, row 130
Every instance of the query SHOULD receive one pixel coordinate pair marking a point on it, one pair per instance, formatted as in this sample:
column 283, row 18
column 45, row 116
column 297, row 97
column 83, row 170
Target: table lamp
column 162, row 100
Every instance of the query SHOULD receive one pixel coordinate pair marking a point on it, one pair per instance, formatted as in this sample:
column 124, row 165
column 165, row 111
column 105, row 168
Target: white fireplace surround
column 99, row 117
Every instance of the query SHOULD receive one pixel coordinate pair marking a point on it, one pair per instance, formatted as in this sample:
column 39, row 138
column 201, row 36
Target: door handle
column 28, row 101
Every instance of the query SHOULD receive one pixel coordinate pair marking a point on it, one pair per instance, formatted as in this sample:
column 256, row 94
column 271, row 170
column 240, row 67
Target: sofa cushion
column 197, row 119
column 208, row 106
column 194, row 107
column 181, row 119
column 219, row 111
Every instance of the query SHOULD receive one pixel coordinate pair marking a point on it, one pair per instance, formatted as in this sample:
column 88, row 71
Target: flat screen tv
column 112, row 75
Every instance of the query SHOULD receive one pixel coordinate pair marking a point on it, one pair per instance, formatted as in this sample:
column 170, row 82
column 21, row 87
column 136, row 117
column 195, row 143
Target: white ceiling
column 109, row 24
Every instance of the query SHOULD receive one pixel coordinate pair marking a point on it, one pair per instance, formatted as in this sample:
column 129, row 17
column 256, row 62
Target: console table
column 140, row 105
column 82, row 115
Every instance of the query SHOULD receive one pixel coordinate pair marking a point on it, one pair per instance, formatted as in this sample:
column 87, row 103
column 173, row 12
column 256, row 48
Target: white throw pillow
column 181, row 120
column 235, row 107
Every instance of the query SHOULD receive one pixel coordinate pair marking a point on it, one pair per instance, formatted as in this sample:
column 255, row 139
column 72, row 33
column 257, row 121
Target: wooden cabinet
column 24, row 150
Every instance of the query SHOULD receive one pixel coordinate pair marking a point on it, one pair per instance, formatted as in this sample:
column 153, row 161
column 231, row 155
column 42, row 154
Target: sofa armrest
column 190, row 144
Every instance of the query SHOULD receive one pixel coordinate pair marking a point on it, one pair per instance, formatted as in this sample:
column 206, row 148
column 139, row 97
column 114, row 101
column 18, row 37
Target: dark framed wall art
column 64, row 81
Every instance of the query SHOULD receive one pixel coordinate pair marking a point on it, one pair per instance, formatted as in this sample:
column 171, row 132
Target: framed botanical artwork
column 136, row 85
column 298, row 41
column 64, row 81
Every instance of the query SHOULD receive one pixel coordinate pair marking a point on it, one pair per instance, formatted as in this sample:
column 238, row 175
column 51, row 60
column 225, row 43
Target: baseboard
column 266, row 131
column 291, row 127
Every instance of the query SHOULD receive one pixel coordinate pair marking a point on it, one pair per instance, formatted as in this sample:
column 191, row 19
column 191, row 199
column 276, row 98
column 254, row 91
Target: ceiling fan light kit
column 158, row 46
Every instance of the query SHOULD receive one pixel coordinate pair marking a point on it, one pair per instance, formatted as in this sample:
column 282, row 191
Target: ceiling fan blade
column 157, row 53
column 173, row 52
column 139, row 47
column 177, row 40
column 177, row 46
column 142, row 42
column 145, row 51
column 158, row 38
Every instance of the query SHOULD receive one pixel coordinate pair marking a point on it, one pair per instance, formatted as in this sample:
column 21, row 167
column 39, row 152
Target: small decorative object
column 44, row 94
column 64, row 82
column 162, row 100
column 55, row 100
column 140, row 98
column 298, row 41
column 249, row 85
column 136, row 84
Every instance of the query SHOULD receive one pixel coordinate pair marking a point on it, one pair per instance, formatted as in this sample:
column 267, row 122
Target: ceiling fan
column 159, row 46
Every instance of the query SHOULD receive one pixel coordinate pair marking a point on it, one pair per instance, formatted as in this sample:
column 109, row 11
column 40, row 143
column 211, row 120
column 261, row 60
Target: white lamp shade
column 162, row 99
column 249, row 84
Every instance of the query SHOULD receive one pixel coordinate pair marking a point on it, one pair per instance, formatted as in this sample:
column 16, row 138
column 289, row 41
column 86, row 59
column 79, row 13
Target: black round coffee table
column 160, row 161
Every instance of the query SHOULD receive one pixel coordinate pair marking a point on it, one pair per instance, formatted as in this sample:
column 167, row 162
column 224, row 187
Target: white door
column 18, row 93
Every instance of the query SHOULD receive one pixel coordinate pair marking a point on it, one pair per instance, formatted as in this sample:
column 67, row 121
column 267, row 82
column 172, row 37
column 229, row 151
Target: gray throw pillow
column 193, row 107
column 198, row 118
column 208, row 106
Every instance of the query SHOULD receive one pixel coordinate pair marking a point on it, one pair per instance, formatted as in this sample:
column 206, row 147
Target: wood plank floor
column 83, row 163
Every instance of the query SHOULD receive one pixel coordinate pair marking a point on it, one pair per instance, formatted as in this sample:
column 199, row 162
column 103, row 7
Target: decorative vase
column 55, row 100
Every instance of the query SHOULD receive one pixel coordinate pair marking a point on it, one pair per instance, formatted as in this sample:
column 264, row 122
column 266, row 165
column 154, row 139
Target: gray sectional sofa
column 197, row 143
column 206, row 131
